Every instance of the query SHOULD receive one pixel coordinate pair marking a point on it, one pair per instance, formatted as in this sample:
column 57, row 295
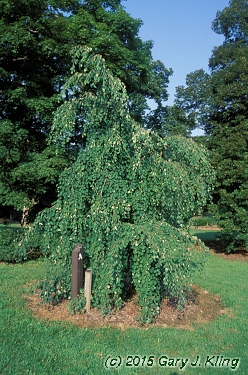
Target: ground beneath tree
column 202, row 307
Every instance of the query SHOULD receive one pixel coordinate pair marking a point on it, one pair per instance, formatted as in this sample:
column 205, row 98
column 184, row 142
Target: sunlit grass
column 31, row 346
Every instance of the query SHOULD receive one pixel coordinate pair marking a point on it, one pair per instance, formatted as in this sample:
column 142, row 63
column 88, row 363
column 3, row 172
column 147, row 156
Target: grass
column 15, row 226
column 31, row 346
column 205, row 235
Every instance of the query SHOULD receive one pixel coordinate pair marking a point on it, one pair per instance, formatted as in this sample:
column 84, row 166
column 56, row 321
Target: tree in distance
column 219, row 103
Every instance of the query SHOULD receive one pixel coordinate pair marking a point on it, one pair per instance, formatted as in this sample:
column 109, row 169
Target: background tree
column 220, row 101
column 33, row 63
column 127, row 199
column 36, row 37
column 170, row 120
column 196, row 100
column 229, row 141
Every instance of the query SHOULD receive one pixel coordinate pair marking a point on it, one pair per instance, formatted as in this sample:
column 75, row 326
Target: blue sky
column 181, row 32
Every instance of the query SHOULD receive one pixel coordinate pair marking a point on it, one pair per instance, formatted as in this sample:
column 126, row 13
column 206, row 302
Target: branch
column 10, row 156
column 20, row 58
column 33, row 31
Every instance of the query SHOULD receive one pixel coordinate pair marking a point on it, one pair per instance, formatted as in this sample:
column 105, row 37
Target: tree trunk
column 25, row 216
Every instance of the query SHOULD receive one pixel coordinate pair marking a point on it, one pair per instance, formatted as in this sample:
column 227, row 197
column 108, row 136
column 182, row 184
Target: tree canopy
column 219, row 102
column 35, row 43
column 127, row 198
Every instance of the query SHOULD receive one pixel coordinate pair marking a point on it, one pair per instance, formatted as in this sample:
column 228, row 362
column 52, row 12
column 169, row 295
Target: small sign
column 77, row 271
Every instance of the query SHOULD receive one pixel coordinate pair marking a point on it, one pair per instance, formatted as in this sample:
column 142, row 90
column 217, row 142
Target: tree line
column 36, row 41
column 218, row 103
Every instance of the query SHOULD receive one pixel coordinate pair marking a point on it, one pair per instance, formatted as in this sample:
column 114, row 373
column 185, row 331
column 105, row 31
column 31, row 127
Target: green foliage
column 219, row 103
column 9, row 240
column 164, row 261
column 33, row 63
column 230, row 155
column 205, row 220
column 126, row 198
column 196, row 99
column 77, row 305
column 168, row 121
column 35, row 40
column 11, row 244
column 30, row 249
column 229, row 141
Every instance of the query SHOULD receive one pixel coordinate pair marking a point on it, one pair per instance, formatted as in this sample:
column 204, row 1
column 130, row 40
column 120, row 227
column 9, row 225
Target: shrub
column 9, row 239
column 12, row 247
column 203, row 221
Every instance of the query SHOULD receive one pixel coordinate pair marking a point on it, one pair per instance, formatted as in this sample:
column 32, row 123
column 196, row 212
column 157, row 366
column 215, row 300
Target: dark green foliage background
column 9, row 239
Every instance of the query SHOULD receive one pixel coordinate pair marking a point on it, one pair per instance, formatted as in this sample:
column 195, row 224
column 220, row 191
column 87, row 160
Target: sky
column 181, row 32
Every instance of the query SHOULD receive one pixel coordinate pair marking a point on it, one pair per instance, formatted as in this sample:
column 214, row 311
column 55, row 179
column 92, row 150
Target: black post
column 77, row 271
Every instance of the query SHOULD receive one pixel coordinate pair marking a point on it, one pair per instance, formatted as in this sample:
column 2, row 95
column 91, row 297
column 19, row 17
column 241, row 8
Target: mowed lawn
column 31, row 346
column 205, row 235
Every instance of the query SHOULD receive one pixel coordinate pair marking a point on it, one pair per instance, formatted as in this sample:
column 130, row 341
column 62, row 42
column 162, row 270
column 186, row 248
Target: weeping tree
column 127, row 198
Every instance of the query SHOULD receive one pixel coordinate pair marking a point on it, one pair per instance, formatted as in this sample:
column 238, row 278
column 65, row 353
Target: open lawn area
column 29, row 345
column 208, row 235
